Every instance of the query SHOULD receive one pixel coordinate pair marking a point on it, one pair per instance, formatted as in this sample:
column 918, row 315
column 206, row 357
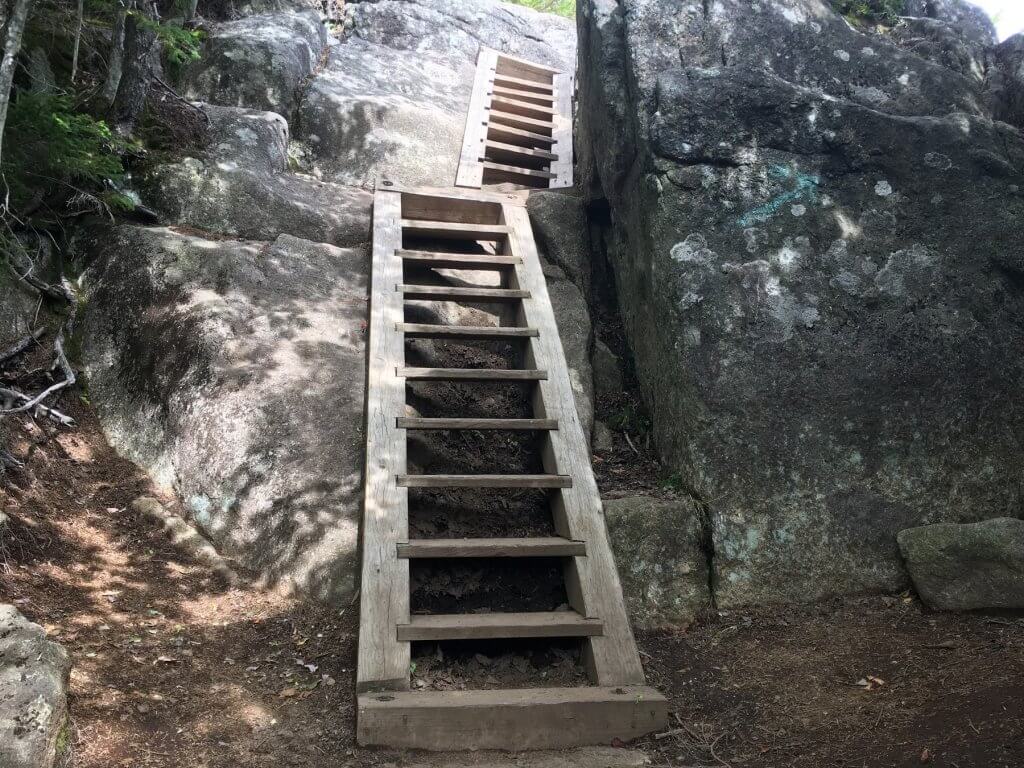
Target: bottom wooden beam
column 534, row 718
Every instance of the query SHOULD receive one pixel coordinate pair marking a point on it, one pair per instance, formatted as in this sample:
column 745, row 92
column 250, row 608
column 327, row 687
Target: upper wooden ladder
column 617, row 703
column 519, row 125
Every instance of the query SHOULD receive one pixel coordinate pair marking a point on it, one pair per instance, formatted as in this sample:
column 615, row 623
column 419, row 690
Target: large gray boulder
column 260, row 62
column 241, row 186
column 392, row 99
column 234, row 371
column 819, row 259
column 966, row 567
column 659, row 550
column 34, row 675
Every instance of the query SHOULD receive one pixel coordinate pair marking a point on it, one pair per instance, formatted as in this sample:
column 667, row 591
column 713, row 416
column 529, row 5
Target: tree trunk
column 141, row 67
column 116, row 64
column 15, row 30
column 80, row 18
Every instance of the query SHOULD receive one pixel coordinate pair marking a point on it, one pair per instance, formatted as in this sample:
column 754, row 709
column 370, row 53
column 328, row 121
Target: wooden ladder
column 519, row 125
column 617, row 703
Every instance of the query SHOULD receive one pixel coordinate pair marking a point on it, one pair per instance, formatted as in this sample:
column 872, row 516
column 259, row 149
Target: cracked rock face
column 33, row 694
column 818, row 251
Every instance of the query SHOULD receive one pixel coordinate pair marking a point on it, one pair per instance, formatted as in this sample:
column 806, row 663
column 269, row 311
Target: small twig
column 183, row 100
column 626, row 435
column 44, row 410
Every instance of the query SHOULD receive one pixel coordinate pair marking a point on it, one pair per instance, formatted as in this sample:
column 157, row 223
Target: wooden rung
column 489, row 626
column 460, row 293
column 521, row 95
column 512, row 425
column 518, row 120
column 459, row 260
column 467, row 332
column 484, row 481
column 525, row 718
column 552, row 546
column 520, row 171
column 507, row 133
column 455, row 230
column 518, row 82
column 498, row 148
column 515, row 106
column 471, row 374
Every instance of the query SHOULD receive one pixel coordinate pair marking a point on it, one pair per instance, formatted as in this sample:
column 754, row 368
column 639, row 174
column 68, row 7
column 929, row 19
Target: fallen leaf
column 926, row 755
column 289, row 692
column 166, row 660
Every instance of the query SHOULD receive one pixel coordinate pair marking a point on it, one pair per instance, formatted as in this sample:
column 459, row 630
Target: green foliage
column 561, row 7
column 46, row 143
column 180, row 45
column 630, row 419
column 873, row 11
column 673, row 482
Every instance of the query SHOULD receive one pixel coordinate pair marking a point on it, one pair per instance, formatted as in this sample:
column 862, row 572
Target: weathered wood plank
column 511, row 425
column 499, row 149
column 519, row 121
column 467, row 332
column 543, row 99
column 454, row 230
column 484, row 481
column 550, row 546
column 491, row 626
column 613, row 657
column 539, row 718
column 517, row 107
column 470, row 174
column 458, row 260
column 562, row 132
column 383, row 662
column 519, row 82
column 460, row 293
column 516, row 170
column 517, row 135
column 471, row 374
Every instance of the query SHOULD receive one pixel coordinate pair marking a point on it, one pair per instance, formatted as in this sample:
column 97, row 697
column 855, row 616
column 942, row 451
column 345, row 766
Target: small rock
column 607, row 370
column 604, row 438
column 963, row 567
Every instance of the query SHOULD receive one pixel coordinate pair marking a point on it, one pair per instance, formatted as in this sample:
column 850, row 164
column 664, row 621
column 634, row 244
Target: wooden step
column 467, row 332
column 459, row 260
column 512, row 425
column 484, row 481
column 455, row 230
column 531, row 172
column 517, row 135
column 471, row 374
column 537, row 718
column 550, row 546
column 460, row 293
column 517, row 107
column 491, row 626
column 497, row 149
column 519, row 121
column 507, row 81
column 518, row 94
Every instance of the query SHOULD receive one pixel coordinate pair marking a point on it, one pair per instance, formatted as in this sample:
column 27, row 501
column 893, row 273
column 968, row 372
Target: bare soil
column 173, row 668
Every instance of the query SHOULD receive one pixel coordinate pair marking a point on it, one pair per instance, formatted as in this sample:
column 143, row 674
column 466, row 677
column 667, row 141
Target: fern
column 47, row 142
column 559, row 7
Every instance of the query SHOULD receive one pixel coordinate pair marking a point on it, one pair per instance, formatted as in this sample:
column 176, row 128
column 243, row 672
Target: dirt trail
column 173, row 668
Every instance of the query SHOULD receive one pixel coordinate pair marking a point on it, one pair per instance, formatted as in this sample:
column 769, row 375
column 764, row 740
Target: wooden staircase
column 471, row 231
column 519, row 125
